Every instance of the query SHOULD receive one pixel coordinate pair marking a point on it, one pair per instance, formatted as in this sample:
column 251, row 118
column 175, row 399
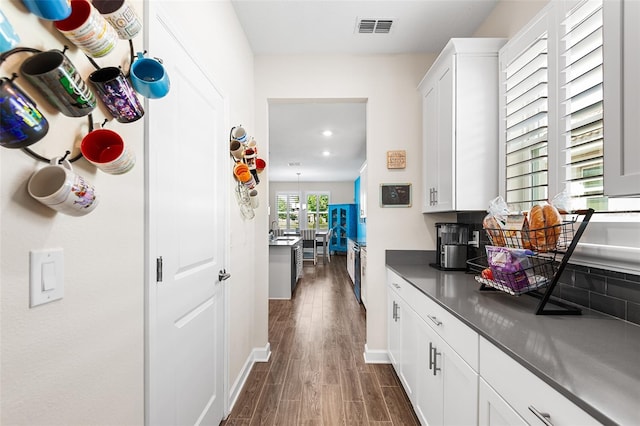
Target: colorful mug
column 149, row 77
column 116, row 93
column 53, row 74
column 58, row 187
column 106, row 150
column 21, row 124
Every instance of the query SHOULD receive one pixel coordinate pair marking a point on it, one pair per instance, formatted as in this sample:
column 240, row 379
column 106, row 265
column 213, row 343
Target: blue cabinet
column 342, row 219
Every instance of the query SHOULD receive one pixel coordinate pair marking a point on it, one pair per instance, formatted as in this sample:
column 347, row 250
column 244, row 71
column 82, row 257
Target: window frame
column 318, row 212
column 287, row 194
column 612, row 240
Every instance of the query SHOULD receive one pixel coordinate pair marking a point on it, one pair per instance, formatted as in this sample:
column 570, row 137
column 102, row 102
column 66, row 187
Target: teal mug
column 149, row 77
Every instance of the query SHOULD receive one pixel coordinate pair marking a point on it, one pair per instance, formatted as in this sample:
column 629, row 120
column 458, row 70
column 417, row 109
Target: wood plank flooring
column 316, row 374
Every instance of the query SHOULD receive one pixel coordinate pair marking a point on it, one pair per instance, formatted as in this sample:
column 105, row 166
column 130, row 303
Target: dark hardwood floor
column 316, row 374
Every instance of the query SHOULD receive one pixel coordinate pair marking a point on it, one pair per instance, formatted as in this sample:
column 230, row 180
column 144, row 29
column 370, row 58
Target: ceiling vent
column 374, row 26
column 294, row 164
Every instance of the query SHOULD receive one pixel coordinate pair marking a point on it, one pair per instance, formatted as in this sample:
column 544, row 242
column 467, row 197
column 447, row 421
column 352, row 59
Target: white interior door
column 187, row 216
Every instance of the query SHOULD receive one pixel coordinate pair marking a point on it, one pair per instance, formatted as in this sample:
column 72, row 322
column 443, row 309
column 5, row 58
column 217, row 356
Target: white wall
column 340, row 192
column 508, row 17
column 80, row 360
column 393, row 122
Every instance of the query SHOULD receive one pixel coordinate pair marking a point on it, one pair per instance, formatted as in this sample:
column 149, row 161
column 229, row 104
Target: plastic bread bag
column 509, row 266
column 562, row 202
column 494, row 222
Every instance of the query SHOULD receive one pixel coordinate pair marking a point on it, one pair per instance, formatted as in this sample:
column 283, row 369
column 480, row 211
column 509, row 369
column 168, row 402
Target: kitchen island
column 285, row 266
column 591, row 360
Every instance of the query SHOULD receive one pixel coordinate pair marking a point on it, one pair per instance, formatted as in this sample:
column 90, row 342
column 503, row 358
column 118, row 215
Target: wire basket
column 536, row 273
column 555, row 238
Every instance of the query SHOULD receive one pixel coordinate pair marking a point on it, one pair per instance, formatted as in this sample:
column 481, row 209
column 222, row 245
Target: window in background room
column 288, row 210
column 317, row 210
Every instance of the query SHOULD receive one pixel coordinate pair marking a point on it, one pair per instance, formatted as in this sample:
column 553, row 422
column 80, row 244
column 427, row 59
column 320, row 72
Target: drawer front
column 460, row 337
column 526, row 393
column 396, row 283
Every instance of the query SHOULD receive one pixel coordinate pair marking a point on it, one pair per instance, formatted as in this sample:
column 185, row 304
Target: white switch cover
column 46, row 276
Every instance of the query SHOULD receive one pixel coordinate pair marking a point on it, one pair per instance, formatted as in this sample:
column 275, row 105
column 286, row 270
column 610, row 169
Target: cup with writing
column 106, row 150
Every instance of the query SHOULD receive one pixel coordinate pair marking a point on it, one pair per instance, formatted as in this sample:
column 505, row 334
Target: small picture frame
column 395, row 195
column 396, row 159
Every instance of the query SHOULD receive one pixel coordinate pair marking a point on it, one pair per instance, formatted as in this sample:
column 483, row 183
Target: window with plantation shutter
column 581, row 104
column 288, row 205
column 525, row 103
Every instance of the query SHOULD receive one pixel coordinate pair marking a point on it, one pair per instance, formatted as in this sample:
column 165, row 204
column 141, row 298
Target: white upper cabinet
column 460, row 126
column 621, row 98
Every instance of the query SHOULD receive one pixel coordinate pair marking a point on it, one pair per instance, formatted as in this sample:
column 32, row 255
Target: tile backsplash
column 613, row 293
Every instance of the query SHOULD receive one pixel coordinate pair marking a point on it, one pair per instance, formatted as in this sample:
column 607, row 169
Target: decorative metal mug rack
column 544, row 268
column 4, row 56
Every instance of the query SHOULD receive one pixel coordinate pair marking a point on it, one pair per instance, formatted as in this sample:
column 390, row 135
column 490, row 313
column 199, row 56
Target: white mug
column 253, row 196
column 58, row 187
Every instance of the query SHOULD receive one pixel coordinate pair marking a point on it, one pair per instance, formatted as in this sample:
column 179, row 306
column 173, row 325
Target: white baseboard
column 256, row 355
column 372, row 356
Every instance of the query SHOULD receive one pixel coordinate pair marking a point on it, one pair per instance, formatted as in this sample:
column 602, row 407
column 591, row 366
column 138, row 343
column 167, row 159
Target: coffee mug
column 8, row 37
column 121, row 16
column 242, row 173
column 237, row 150
column 116, row 93
column 260, row 165
column 58, row 187
column 239, row 134
column 21, row 124
column 51, row 10
column 149, row 78
column 53, row 74
column 106, row 150
column 88, row 30
column 253, row 196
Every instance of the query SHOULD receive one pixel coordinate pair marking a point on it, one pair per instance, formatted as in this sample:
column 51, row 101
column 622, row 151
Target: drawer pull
column 396, row 286
column 435, row 320
column 543, row 417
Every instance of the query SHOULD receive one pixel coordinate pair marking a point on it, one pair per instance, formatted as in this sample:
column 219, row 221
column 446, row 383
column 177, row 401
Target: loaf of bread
column 544, row 227
column 494, row 230
column 553, row 222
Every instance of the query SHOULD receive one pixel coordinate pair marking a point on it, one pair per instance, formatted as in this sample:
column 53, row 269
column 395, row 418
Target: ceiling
column 290, row 27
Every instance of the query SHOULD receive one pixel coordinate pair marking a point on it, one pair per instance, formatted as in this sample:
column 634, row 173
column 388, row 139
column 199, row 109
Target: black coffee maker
column 452, row 241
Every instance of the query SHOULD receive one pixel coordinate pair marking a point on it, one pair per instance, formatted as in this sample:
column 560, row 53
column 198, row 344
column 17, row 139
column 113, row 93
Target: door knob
column 223, row 275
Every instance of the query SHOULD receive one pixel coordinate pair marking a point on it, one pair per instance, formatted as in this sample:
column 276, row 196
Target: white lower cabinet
column 441, row 385
column 493, row 410
column 532, row 399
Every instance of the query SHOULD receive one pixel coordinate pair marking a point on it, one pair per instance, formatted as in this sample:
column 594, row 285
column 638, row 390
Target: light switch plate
column 46, row 276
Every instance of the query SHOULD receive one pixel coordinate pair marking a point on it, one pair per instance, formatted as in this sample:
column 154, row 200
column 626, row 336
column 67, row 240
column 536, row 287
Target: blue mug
column 8, row 37
column 51, row 10
column 21, row 124
column 149, row 77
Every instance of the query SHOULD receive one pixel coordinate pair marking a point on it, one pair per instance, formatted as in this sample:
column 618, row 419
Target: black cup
column 116, row 93
column 53, row 74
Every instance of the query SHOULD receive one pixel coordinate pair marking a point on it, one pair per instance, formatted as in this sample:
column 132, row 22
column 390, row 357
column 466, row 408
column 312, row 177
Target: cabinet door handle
column 393, row 315
column 545, row 418
column 435, row 196
column 435, row 359
column 435, row 320
column 397, row 286
column 397, row 312
column 430, row 355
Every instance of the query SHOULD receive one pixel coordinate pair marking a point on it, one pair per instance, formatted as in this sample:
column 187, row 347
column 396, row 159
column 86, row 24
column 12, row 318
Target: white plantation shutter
column 525, row 103
column 288, row 205
column 581, row 98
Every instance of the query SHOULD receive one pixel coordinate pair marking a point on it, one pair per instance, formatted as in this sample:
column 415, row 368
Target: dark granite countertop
column 592, row 359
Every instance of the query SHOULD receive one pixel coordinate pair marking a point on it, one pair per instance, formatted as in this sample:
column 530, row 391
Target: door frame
column 150, row 221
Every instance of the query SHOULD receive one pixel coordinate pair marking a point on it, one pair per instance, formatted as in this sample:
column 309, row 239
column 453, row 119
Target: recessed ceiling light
column 327, row 133
column 326, row 153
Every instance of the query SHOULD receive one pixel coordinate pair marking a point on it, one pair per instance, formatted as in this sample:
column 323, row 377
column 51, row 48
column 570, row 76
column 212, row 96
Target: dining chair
column 309, row 248
column 324, row 243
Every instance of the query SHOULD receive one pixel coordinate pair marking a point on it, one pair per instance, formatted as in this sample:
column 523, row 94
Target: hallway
column 316, row 374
